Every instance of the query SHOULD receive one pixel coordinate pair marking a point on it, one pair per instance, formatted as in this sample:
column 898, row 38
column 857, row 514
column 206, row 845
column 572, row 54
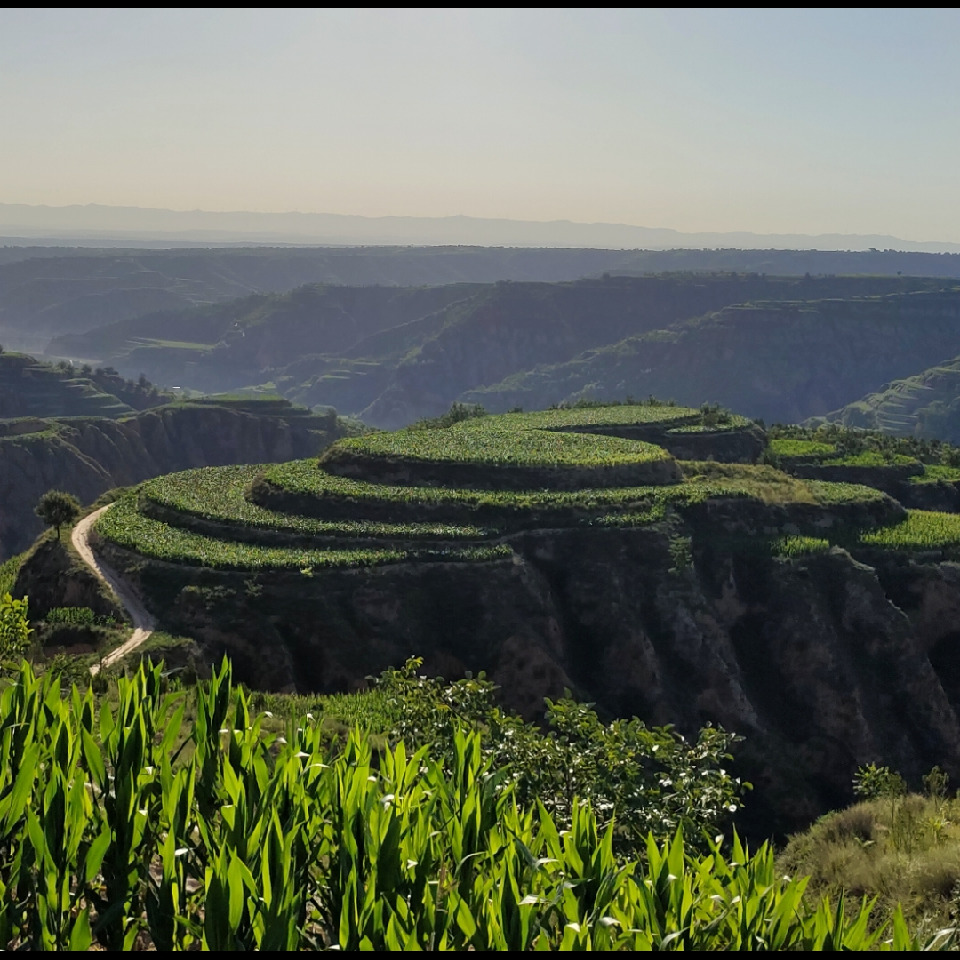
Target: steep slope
column 816, row 618
column 86, row 456
column 515, row 327
column 243, row 342
column 45, row 292
column 399, row 354
column 29, row 388
column 926, row 405
column 782, row 362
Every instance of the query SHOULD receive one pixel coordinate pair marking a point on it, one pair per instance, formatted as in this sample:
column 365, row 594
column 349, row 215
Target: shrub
column 14, row 627
column 644, row 778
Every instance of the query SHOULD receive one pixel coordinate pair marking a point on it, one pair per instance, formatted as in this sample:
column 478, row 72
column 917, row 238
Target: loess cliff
column 88, row 456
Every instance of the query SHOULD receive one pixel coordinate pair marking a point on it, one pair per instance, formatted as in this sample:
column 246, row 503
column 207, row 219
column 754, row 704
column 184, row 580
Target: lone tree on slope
column 55, row 508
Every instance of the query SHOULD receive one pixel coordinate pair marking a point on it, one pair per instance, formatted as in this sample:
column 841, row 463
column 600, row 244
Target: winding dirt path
column 143, row 623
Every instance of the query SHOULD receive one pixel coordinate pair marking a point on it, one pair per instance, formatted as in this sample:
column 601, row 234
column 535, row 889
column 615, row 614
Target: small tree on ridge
column 56, row 508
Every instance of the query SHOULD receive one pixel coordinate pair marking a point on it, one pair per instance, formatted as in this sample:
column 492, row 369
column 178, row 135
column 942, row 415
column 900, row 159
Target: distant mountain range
column 102, row 225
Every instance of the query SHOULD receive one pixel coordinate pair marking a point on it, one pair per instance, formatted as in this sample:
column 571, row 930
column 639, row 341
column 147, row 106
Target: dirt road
column 143, row 623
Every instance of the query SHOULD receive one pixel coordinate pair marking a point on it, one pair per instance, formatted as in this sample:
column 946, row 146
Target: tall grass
column 904, row 851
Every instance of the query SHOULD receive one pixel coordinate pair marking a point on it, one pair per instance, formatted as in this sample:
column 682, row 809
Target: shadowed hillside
column 29, row 388
column 782, row 362
column 87, row 456
column 393, row 355
column 925, row 405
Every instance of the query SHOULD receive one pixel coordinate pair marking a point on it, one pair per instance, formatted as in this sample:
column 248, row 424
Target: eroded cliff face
column 86, row 457
column 823, row 663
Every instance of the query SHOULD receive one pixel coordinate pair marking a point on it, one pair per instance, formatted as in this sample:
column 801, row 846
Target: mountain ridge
column 89, row 221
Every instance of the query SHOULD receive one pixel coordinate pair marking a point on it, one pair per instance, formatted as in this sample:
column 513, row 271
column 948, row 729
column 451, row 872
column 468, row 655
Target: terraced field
column 32, row 389
column 794, row 451
column 126, row 526
column 462, row 494
column 922, row 530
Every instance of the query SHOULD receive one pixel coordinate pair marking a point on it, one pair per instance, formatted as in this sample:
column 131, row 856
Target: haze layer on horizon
column 771, row 122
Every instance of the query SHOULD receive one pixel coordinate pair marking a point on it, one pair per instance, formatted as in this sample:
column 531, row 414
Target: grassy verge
column 903, row 850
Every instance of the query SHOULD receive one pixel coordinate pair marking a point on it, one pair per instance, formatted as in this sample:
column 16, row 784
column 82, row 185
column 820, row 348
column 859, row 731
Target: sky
column 779, row 121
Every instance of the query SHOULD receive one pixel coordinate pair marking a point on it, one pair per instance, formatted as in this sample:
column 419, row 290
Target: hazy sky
column 778, row 121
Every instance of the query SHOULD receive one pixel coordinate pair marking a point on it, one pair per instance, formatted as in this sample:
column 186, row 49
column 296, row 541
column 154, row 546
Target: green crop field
column 793, row 447
column 498, row 446
column 126, row 527
column 217, row 494
column 572, row 417
column 921, row 530
column 302, row 515
column 704, row 479
column 825, row 492
column 935, row 472
column 797, row 546
column 580, row 446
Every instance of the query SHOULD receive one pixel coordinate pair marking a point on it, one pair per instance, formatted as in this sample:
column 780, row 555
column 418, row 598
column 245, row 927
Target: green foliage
column 216, row 494
column 115, row 831
column 797, row 546
column 457, row 413
column 125, row 526
column 14, row 627
column 77, row 617
column 57, row 508
column 935, row 785
column 371, row 710
column 681, row 554
column 829, row 493
column 510, row 441
column 936, row 472
column 794, row 447
column 646, row 779
column 872, row 782
column 8, row 573
column 713, row 415
column 836, row 444
column 330, row 496
column 921, row 530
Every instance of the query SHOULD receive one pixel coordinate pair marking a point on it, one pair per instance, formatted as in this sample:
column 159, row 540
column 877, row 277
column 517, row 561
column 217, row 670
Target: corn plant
column 118, row 826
